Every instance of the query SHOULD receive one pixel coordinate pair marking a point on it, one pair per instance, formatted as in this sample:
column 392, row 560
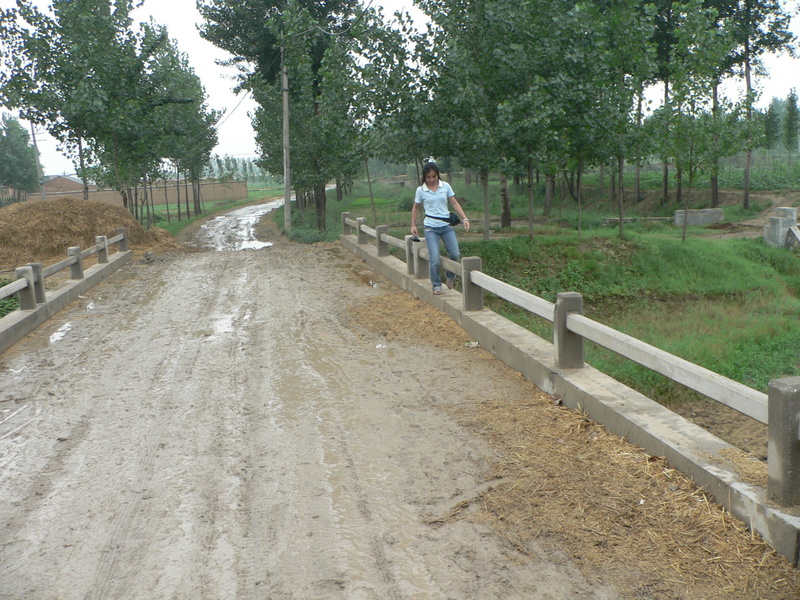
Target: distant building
column 55, row 184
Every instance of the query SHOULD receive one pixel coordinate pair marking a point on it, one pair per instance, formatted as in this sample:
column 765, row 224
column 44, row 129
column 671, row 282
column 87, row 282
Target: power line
column 227, row 116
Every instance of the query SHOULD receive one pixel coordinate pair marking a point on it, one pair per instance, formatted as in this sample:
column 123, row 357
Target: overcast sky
column 235, row 131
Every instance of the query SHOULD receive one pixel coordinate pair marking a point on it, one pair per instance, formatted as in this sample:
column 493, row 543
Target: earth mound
column 42, row 231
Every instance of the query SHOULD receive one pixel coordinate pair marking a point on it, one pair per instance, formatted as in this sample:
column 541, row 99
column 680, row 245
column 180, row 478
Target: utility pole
column 38, row 162
column 287, row 182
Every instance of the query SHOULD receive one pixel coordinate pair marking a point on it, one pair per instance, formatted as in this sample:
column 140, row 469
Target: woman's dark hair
column 431, row 166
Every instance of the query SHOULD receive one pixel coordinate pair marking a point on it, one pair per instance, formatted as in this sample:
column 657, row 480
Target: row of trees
column 19, row 170
column 782, row 124
column 228, row 168
column 121, row 101
column 509, row 86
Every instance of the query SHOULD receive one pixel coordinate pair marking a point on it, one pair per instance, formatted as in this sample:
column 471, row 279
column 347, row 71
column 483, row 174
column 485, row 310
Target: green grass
column 9, row 304
column 728, row 305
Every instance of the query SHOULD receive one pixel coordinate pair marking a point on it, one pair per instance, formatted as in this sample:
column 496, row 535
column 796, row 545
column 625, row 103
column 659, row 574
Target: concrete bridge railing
column 560, row 368
column 36, row 305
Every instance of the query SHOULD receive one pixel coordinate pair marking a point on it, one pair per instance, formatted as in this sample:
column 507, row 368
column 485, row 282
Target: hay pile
column 42, row 231
column 624, row 516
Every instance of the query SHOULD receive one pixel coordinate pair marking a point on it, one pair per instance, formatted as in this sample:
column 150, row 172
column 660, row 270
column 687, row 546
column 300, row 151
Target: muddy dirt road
column 214, row 425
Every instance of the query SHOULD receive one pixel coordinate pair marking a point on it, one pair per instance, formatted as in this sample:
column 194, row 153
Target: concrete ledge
column 699, row 216
column 623, row 411
column 17, row 325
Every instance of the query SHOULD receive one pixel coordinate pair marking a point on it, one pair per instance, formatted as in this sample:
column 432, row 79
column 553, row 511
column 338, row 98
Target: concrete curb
column 623, row 411
column 17, row 325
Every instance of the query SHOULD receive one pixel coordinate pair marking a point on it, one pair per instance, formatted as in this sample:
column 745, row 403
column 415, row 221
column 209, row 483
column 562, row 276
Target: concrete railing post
column 362, row 235
column 123, row 245
column 568, row 345
column 102, row 254
column 783, row 450
column 472, row 294
column 422, row 269
column 346, row 229
column 76, row 270
column 27, row 297
column 383, row 246
column 409, row 254
column 38, row 286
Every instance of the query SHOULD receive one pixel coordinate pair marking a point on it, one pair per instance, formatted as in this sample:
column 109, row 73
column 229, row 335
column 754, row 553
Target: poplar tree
column 18, row 161
column 791, row 123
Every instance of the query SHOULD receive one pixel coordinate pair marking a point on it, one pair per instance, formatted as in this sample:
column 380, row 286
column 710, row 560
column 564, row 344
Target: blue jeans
column 433, row 236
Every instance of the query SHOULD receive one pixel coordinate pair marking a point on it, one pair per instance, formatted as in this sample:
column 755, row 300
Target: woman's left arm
column 459, row 211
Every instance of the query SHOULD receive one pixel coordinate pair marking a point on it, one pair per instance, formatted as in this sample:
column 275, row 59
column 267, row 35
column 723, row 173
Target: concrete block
column 777, row 230
column 699, row 216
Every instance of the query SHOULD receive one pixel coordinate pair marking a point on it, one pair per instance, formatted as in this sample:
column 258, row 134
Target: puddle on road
column 366, row 277
column 235, row 230
column 61, row 333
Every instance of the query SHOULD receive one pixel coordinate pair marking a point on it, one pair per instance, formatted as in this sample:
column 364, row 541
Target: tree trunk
column 486, row 220
column 186, row 194
column 715, row 159
column 748, row 158
column 679, row 184
column 82, row 161
column 637, row 183
column 530, row 198
column 579, row 197
column 319, row 194
column 147, row 215
column 665, row 165
column 505, row 198
column 166, row 200
column 621, row 161
column 198, row 201
column 178, row 187
column 549, row 193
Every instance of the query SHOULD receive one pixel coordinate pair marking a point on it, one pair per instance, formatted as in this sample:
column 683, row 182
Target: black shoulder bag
column 453, row 219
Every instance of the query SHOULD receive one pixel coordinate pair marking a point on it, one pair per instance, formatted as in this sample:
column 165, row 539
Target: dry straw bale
column 42, row 231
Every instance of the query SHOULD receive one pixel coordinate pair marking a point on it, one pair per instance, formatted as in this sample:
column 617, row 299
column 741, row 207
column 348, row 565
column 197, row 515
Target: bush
column 10, row 304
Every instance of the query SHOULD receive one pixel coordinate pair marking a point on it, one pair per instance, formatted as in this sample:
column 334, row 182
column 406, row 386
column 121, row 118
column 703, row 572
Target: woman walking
column 434, row 195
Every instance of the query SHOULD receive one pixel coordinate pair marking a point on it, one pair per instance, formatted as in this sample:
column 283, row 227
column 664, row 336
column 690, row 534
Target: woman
column 433, row 195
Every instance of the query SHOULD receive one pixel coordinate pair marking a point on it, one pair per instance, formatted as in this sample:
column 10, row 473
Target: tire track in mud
column 182, row 359
column 329, row 378
column 37, row 391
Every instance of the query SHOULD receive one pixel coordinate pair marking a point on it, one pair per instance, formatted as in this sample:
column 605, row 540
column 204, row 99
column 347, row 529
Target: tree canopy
column 19, row 168
column 120, row 100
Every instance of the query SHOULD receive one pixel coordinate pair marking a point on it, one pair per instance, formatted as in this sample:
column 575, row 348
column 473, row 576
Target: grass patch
column 728, row 305
column 10, row 303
